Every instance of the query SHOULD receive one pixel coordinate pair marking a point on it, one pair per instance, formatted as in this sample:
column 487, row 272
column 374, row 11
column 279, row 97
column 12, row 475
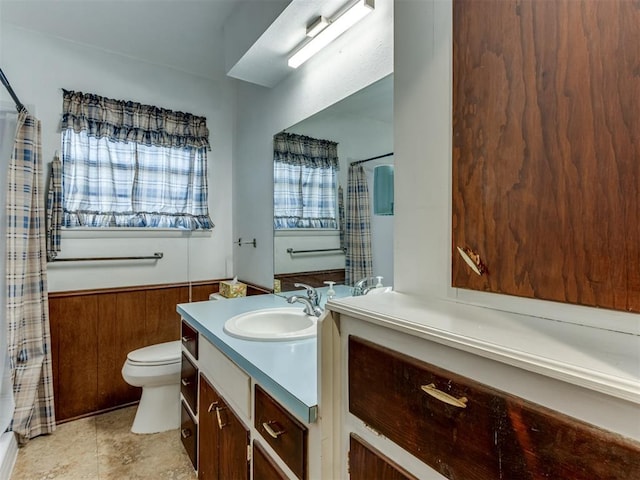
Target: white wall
column 423, row 126
column 360, row 57
column 38, row 67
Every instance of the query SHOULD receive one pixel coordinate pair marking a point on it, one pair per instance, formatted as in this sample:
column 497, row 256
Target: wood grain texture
column 291, row 445
column 121, row 329
column 75, row 355
column 162, row 321
column 497, row 435
column 264, row 468
column 93, row 330
column 315, row 279
column 365, row 463
column 546, row 149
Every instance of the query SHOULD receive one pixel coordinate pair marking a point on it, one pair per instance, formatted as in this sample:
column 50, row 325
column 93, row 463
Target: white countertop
column 288, row 370
column 597, row 359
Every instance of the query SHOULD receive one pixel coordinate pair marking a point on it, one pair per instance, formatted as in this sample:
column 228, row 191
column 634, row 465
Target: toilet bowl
column 156, row 369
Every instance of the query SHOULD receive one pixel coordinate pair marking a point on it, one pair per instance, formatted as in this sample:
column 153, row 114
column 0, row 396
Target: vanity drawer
column 365, row 463
column 264, row 468
column 189, row 383
column 490, row 434
column 189, row 338
column 286, row 435
column 189, row 435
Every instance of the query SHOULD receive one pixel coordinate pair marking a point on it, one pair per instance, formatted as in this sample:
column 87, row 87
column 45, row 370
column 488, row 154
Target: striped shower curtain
column 29, row 342
column 359, row 260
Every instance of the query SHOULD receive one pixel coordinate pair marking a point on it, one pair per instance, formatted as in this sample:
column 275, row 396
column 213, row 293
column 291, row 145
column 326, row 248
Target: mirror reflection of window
column 305, row 176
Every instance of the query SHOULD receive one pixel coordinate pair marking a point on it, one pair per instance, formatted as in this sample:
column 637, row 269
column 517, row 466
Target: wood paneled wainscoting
column 93, row 330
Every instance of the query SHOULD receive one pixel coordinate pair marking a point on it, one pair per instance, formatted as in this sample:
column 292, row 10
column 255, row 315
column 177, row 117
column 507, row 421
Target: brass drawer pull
column 185, row 382
column 220, row 424
column 472, row 259
column 212, row 406
column 185, row 432
column 444, row 397
column 273, row 433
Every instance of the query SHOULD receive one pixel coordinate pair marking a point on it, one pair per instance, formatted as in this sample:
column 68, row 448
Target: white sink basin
column 272, row 324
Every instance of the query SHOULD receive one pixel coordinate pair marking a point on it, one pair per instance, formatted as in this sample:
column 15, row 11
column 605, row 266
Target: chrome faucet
column 309, row 307
column 361, row 287
column 311, row 301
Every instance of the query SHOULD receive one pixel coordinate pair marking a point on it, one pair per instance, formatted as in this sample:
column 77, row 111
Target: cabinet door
column 546, row 178
column 264, row 468
column 365, row 463
column 209, row 432
column 224, row 440
column 234, row 445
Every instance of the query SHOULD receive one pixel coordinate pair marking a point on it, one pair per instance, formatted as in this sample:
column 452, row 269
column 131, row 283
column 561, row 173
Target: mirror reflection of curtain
column 358, row 260
column 304, row 174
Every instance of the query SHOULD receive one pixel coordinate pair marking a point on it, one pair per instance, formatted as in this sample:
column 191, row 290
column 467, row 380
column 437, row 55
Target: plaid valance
column 305, row 151
column 124, row 121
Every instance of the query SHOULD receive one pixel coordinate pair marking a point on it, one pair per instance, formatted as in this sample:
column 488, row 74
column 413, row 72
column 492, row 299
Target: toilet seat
column 160, row 354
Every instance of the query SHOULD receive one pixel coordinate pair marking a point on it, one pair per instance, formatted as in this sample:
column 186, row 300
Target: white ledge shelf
column 593, row 358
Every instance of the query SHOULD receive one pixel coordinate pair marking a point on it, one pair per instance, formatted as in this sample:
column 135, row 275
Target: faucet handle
column 310, row 290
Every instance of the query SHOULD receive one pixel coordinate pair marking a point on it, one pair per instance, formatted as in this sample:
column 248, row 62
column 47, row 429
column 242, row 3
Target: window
column 305, row 176
column 130, row 165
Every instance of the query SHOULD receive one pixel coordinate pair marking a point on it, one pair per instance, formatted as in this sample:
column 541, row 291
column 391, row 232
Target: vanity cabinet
column 223, row 438
column 545, row 172
column 189, row 393
column 365, row 463
column 286, row 435
column 264, row 468
column 231, row 425
column 462, row 428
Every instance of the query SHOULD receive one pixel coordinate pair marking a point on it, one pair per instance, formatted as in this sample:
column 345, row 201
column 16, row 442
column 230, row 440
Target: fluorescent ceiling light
column 317, row 26
column 336, row 27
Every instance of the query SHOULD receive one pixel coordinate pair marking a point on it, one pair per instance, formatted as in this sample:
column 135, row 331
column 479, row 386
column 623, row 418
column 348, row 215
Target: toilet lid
column 159, row 354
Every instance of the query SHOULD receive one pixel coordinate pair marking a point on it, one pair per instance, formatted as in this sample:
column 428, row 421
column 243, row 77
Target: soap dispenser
column 379, row 284
column 331, row 293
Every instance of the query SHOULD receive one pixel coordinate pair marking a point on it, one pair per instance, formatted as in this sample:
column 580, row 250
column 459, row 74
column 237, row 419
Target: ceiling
column 188, row 35
column 182, row 34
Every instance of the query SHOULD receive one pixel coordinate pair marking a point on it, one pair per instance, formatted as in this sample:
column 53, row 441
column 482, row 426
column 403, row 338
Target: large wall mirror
column 362, row 127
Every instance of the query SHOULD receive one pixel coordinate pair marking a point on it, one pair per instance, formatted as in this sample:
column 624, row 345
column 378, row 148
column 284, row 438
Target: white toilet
column 156, row 369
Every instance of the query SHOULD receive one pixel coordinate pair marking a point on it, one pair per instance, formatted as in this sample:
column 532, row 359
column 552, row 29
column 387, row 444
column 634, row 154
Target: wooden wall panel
column 546, row 149
column 121, row 329
column 76, row 355
column 162, row 321
column 92, row 331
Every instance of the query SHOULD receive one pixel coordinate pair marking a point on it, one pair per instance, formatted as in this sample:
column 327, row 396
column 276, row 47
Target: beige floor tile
column 69, row 453
column 103, row 448
column 122, row 454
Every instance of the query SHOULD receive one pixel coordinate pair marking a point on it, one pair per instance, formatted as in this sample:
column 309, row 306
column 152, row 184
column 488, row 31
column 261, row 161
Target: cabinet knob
column 273, row 433
column 186, row 339
column 185, row 432
column 185, row 382
column 444, row 397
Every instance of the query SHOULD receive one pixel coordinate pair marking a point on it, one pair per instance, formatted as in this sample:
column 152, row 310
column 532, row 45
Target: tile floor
column 103, row 448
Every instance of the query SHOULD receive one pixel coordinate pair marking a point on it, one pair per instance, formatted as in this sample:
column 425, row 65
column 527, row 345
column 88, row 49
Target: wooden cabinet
column 546, row 178
column 366, row 463
column 464, row 429
column 189, row 339
column 264, row 468
column 189, row 434
column 189, row 383
column 286, row 435
column 224, row 440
